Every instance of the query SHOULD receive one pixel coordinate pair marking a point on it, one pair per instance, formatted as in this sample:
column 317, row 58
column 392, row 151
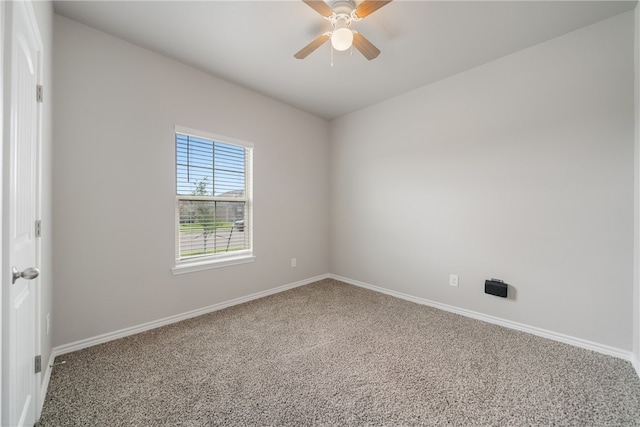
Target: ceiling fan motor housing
column 343, row 10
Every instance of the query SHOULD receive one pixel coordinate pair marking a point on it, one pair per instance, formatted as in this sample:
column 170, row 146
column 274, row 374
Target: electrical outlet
column 453, row 280
column 294, row 262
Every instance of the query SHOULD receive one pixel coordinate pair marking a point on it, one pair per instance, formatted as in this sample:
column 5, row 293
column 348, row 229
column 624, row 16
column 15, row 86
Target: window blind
column 213, row 204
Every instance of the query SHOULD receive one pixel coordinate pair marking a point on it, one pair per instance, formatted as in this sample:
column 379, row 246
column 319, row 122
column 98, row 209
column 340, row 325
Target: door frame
column 6, row 14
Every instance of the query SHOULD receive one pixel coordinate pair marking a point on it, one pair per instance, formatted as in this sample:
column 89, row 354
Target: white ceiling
column 251, row 43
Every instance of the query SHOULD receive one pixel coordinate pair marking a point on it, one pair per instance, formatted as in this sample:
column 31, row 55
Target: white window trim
column 239, row 257
column 190, row 266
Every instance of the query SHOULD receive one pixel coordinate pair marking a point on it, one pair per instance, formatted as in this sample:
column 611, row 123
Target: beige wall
column 114, row 182
column 521, row 169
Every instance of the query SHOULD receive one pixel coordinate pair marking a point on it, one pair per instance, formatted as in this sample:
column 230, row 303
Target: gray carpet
column 334, row 354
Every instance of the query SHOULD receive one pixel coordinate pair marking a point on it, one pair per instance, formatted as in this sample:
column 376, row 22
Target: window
column 213, row 201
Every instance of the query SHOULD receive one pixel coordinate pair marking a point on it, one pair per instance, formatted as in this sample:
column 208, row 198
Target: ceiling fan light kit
column 341, row 13
column 342, row 39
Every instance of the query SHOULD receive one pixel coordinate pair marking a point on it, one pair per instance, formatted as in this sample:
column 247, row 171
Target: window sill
column 189, row 267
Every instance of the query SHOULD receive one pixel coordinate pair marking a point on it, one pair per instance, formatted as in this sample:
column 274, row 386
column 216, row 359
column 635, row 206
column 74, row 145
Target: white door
column 20, row 199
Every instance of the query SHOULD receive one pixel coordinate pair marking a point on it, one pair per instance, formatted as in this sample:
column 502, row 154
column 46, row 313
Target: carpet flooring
column 334, row 354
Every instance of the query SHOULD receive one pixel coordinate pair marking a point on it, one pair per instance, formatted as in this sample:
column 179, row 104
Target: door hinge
column 38, row 364
column 39, row 93
column 39, row 228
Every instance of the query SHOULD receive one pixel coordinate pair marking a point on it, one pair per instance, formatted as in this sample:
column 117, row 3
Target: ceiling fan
column 341, row 13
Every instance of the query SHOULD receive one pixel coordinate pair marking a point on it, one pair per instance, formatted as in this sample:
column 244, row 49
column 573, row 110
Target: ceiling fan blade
column 365, row 46
column 367, row 7
column 316, row 43
column 320, row 6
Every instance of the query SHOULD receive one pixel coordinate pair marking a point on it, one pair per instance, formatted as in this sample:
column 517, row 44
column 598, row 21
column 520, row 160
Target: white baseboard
column 110, row 336
column 636, row 363
column 577, row 342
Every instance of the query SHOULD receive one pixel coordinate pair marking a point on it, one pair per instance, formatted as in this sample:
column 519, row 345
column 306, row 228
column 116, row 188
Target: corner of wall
column 636, row 210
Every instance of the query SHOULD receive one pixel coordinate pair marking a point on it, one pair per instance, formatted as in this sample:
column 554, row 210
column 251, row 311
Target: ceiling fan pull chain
column 331, row 49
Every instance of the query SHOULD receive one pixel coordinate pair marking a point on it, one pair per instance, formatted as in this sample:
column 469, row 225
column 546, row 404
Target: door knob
column 28, row 274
